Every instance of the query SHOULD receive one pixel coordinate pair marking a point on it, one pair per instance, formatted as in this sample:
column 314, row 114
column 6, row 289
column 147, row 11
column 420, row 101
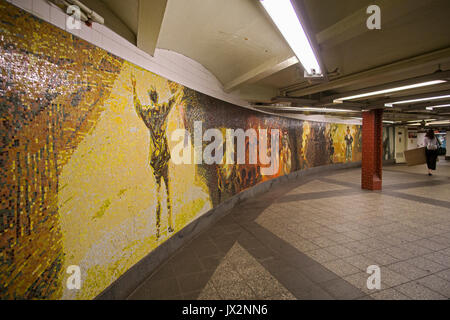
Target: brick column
column 372, row 149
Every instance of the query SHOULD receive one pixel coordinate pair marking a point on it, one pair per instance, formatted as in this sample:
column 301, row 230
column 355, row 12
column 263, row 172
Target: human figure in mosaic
column 155, row 115
column 348, row 145
column 285, row 154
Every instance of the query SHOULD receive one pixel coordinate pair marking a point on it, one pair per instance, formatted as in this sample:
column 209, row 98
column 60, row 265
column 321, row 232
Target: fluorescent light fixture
column 440, row 106
column 315, row 109
column 418, row 122
column 374, row 93
column 283, row 15
column 387, row 121
column 439, row 122
column 417, row 100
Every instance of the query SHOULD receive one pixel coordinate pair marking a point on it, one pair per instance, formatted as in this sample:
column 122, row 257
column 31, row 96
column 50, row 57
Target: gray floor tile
column 342, row 290
column 193, row 282
column 426, row 264
column 301, row 247
column 166, row 289
column 418, row 292
column 445, row 274
column 437, row 284
column 389, row 294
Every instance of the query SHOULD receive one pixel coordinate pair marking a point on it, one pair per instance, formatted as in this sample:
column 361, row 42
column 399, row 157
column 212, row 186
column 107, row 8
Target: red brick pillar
column 372, row 149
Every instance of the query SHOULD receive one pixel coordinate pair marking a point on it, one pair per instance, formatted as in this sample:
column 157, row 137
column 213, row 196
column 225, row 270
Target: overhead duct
column 86, row 14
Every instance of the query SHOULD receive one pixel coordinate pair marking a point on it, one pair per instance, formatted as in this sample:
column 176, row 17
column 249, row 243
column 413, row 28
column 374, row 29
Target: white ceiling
column 227, row 37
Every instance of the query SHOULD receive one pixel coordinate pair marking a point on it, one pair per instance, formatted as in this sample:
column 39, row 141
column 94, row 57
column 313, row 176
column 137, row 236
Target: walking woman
column 431, row 151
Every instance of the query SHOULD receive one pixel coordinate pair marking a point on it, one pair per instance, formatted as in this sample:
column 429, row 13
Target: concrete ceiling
column 239, row 44
column 227, row 37
column 127, row 11
column 409, row 28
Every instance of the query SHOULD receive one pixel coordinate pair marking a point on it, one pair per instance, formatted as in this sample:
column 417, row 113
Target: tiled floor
column 314, row 239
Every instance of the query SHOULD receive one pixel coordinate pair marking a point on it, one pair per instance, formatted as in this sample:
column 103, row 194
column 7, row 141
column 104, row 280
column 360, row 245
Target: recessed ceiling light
column 283, row 15
column 396, row 89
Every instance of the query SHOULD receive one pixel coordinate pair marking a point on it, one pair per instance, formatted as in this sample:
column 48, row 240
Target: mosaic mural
column 86, row 174
column 388, row 143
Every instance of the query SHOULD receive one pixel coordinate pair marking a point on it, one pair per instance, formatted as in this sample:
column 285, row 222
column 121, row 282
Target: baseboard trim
column 133, row 277
column 388, row 162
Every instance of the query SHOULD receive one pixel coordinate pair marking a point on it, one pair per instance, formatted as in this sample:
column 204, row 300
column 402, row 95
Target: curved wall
column 88, row 176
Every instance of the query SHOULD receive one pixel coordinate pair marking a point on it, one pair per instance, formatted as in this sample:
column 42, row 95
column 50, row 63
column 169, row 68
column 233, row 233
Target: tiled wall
column 166, row 63
column 78, row 174
column 85, row 169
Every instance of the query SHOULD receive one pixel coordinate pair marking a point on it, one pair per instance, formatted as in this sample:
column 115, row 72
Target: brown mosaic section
column 52, row 88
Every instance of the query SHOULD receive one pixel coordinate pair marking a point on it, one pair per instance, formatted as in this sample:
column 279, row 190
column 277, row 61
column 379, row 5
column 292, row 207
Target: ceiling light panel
column 283, row 15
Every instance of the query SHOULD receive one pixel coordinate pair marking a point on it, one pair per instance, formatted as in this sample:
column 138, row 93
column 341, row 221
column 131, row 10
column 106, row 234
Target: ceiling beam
column 381, row 103
column 345, row 29
column 112, row 20
column 422, row 106
column 350, row 27
column 305, row 102
column 151, row 14
column 314, row 112
column 346, row 105
column 300, row 102
column 355, row 24
column 428, row 59
column 440, row 75
column 295, row 107
column 420, row 116
column 262, row 71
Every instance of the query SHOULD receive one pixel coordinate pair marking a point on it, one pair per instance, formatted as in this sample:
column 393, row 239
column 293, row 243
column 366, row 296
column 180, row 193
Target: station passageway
column 314, row 238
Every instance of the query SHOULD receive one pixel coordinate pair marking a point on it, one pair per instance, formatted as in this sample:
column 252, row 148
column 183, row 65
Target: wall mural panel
column 388, row 143
column 86, row 174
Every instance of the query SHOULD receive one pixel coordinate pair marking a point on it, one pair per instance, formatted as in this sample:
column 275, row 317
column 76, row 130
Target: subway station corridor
column 314, row 239
column 225, row 150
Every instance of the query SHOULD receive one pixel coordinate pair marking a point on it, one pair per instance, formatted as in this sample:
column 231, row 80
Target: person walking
column 431, row 151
